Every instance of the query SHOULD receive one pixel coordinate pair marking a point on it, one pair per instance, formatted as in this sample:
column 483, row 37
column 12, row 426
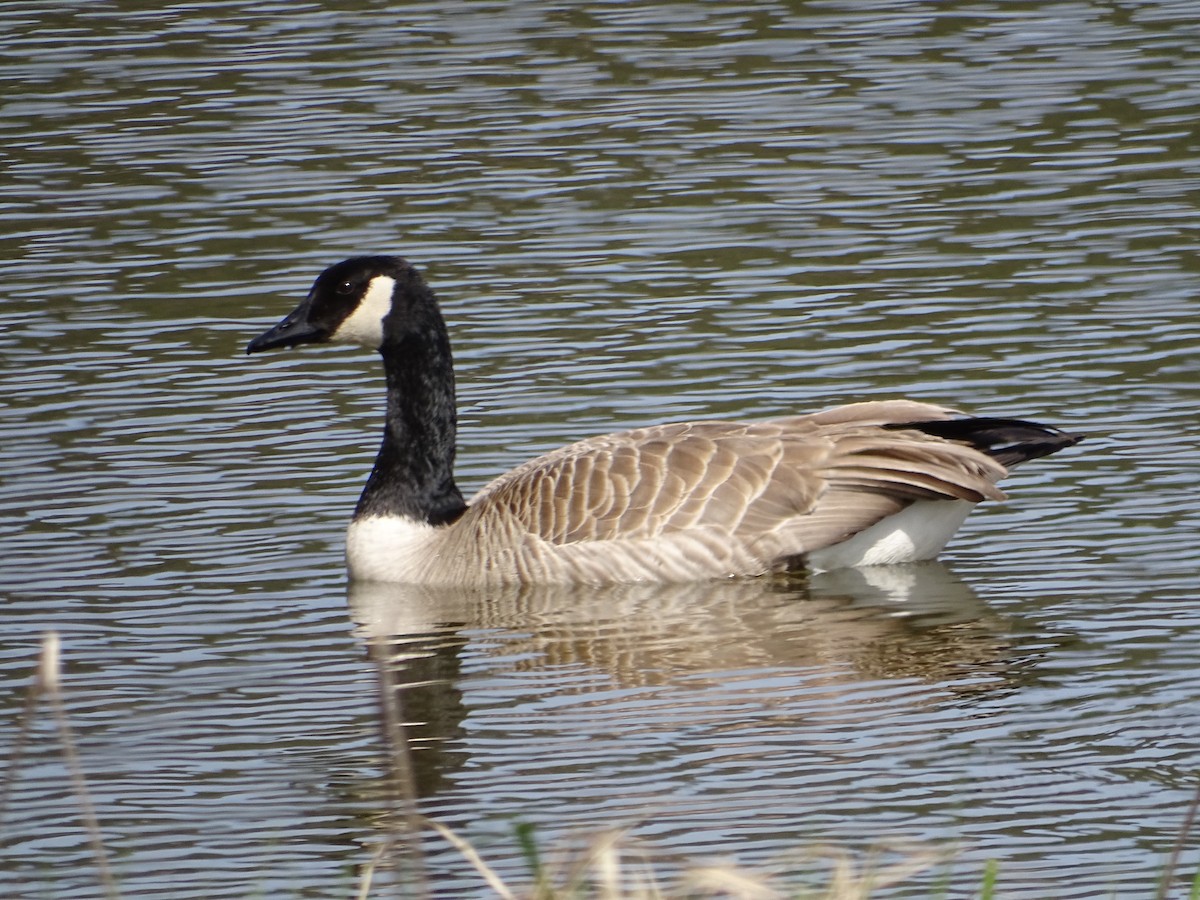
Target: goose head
column 366, row 301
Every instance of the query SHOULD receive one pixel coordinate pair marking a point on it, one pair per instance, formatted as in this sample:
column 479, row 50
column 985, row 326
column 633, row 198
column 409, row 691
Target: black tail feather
column 1008, row 441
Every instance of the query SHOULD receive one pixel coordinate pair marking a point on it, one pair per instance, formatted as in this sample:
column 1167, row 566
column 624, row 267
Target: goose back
column 706, row 499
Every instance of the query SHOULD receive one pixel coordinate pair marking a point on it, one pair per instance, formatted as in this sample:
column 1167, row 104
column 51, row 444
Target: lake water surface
column 632, row 212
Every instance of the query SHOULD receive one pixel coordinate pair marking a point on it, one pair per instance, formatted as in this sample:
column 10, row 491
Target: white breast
column 390, row 548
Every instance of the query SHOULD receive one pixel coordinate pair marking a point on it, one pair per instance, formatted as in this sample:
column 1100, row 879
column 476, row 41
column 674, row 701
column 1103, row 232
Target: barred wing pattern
column 780, row 488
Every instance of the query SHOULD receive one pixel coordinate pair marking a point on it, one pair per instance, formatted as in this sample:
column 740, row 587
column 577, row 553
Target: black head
column 347, row 304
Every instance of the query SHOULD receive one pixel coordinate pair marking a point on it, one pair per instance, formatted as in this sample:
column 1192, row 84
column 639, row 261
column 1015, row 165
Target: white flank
column 918, row 532
column 364, row 326
column 389, row 548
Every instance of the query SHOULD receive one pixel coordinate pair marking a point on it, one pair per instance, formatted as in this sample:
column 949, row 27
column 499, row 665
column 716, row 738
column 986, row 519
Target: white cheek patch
column 364, row 326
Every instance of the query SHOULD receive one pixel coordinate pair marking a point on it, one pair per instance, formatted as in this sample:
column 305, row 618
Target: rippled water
column 633, row 213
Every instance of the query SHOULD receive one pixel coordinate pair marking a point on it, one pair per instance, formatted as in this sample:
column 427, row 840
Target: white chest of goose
column 873, row 483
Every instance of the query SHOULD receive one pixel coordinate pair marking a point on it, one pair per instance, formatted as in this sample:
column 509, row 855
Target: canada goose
column 866, row 484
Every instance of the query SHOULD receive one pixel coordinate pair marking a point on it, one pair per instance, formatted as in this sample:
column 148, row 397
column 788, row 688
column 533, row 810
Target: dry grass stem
column 615, row 867
column 728, row 881
column 470, row 855
column 1189, row 820
column 368, row 872
column 850, row 882
column 47, row 684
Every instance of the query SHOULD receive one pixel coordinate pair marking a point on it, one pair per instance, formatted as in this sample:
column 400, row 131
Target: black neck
column 414, row 472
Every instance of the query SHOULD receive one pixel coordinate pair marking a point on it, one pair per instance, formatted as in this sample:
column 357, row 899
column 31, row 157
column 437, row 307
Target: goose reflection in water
column 843, row 639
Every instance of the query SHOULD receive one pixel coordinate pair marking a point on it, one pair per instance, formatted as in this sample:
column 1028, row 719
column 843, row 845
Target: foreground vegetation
column 611, row 865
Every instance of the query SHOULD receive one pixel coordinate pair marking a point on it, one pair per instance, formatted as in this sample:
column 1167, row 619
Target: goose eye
column 346, row 287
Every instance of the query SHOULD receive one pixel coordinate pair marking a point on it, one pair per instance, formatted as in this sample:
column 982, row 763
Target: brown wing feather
column 788, row 485
column 636, row 484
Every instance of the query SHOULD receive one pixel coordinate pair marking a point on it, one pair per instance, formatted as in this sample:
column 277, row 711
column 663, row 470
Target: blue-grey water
column 633, row 212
